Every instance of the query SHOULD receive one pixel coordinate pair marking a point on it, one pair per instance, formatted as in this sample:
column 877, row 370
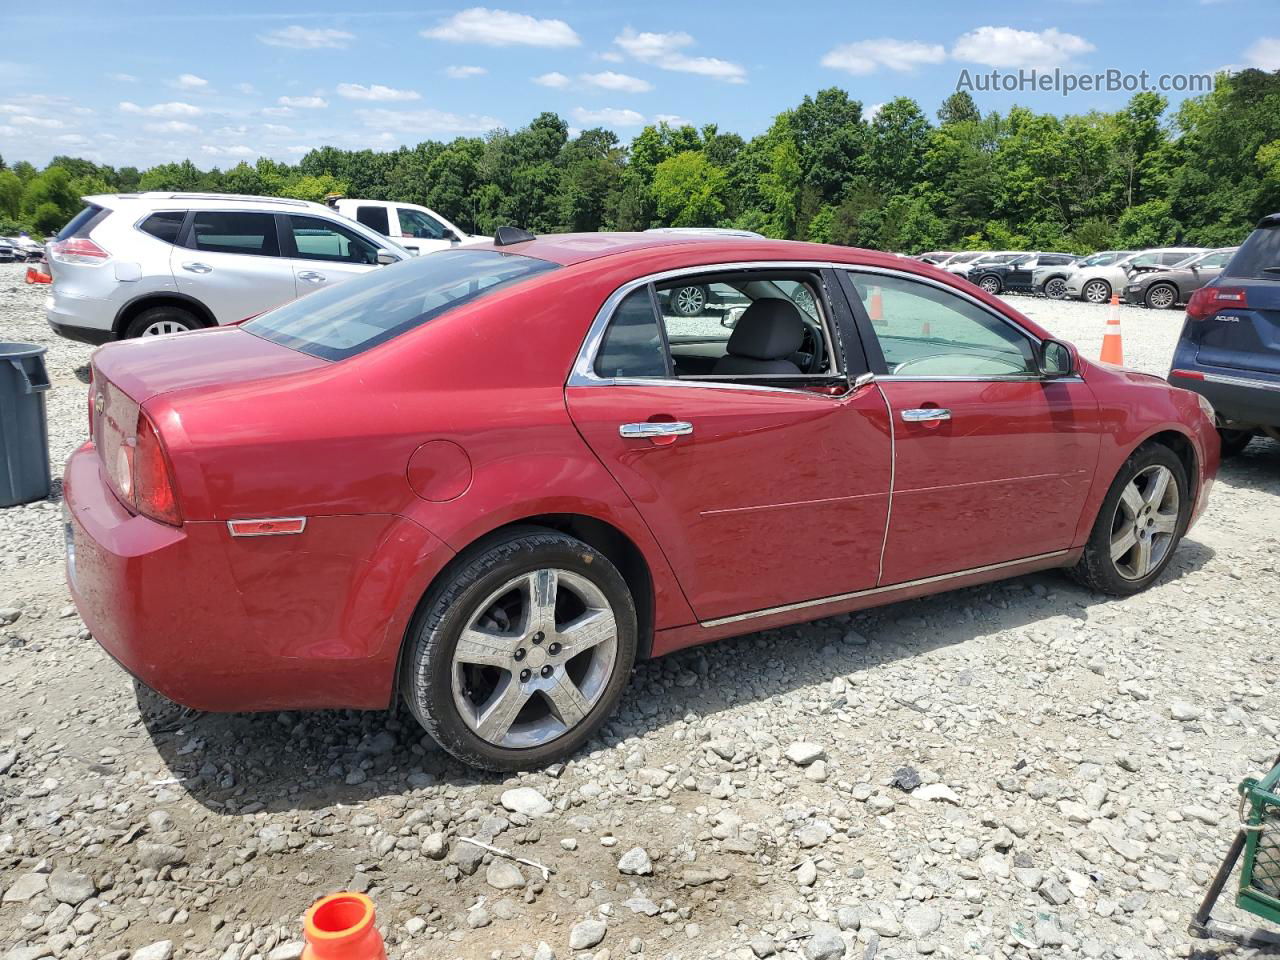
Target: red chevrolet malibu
column 491, row 479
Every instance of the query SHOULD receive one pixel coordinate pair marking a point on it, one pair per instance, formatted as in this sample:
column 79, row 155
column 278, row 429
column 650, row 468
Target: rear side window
column 375, row 218
column 347, row 318
column 83, row 222
column 632, row 345
column 164, row 226
column 224, row 231
column 1258, row 257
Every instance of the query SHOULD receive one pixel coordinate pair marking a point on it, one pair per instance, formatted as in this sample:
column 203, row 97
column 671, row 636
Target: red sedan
column 489, row 480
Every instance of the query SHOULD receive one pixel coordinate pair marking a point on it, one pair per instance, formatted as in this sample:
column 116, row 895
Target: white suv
column 142, row 264
column 417, row 229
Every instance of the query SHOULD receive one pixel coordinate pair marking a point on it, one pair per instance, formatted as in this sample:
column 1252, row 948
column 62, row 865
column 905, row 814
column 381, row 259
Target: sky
column 134, row 83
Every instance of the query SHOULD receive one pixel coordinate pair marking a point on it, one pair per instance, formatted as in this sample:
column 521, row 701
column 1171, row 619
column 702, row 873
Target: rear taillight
column 152, row 487
column 78, row 250
column 1207, row 301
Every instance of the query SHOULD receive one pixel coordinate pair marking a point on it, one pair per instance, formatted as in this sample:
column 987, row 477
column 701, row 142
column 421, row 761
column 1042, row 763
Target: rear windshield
column 82, row 222
column 350, row 317
column 1258, row 257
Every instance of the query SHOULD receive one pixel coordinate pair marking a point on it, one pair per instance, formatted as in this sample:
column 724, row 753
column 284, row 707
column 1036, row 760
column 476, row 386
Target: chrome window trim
column 873, row 591
column 1075, row 378
column 584, row 374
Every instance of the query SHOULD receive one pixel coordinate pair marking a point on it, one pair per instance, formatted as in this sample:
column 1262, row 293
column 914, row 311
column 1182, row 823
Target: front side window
column 925, row 331
column 748, row 324
column 416, row 224
column 348, row 318
column 224, row 231
column 317, row 239
column 1215, row 261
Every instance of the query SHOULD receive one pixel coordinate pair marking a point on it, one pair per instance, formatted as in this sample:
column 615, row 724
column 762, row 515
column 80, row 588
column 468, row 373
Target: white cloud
column 607, row 117
column 1264, row 54
column 307, row 38
column 237, row 131
column 428, row 121
column 172, row 126
column 240, row 150
column 622, row 82
column 553, row 79
column 664, row 51
column 246, row 88
column 867, row 56
column 358, row 91
column 297, row 148
column 611, row 56
column 277, row 129
column 869, row 114
column 1007, row 47
column 72, row 139
column 303, row 103
column 45, row 123
column 174, row 108
column 464, row 72
column 670, row 119
column 122, row 77
column 502, row 28
column 276, row 112
column 189, row 81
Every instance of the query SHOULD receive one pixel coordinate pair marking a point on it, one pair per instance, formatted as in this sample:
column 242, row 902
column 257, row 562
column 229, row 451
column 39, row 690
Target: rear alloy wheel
column 1140, row 523
column 1096, row 291
column 161, row 321
column 520, row 655
column 991, row 284
column 689, row 301
column 1161, row 296
column 1056, row 289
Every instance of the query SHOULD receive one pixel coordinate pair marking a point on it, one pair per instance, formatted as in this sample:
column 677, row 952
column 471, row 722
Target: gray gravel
column 1019, row 770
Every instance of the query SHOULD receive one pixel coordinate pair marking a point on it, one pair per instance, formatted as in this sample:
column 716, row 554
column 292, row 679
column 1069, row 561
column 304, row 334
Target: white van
column 417, row 229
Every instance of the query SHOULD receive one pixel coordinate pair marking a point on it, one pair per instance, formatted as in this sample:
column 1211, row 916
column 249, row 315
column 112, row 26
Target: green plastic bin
column 24, row 427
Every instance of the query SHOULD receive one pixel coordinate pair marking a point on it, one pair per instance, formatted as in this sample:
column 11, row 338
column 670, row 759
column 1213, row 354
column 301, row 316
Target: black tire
column 1096, row 285
column 1234, row 441
column 162, row 316
column 1055, row 288
column 427, row 673
column 1095, row 568
column 1157, row 294
column 990, row 283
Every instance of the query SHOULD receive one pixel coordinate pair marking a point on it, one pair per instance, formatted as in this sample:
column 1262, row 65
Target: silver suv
column 143, row 264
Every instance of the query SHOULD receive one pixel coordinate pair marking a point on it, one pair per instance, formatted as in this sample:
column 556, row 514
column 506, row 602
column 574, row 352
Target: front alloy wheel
column 990, row 284
column 518, row 655
column 1097, row 291
column 1056, row 289
column 689, row 301
column 1161, row 296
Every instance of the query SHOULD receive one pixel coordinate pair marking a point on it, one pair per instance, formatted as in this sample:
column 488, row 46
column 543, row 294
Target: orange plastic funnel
column 341, row 927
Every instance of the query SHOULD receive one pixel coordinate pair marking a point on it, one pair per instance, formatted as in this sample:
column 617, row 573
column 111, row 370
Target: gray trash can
column 24, row 430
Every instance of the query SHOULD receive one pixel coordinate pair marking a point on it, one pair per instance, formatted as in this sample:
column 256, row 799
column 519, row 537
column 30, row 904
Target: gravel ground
column 1019, row 770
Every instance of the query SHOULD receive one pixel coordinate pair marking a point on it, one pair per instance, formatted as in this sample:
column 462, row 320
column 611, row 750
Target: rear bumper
column 226, row 624
column 83, row 320
column 1237, row 396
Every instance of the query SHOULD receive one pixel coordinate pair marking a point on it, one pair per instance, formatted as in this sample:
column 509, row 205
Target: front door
column 762, row 489
column 322, row 252
column 992, row 463
column 230, row 261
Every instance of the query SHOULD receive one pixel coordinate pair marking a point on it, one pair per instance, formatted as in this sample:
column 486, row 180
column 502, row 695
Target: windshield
column 1258, row 257
column 350, row 317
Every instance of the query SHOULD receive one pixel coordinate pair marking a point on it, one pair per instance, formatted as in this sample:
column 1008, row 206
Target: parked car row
column 1161, row 278
column 19, row 249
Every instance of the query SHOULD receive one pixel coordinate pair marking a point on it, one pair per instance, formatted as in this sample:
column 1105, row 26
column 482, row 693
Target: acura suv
column 143, row 264
column 1229, row 350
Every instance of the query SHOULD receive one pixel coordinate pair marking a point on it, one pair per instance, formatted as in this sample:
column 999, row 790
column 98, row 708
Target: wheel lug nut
column 537, row 637
column 547, row 671
column 553, row 649
column 519, row 654
column 525, row 675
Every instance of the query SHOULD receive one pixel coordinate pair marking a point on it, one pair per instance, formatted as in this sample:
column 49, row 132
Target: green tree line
column 824, row 171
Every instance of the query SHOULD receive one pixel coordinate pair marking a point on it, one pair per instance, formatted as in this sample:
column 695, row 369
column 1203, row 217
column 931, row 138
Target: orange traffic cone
column 1112, row 344
column 38, row 276
column 340, row 927
column 876, row 308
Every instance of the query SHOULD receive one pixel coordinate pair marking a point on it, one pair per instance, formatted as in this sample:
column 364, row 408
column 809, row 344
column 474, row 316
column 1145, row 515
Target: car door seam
column 893, row 476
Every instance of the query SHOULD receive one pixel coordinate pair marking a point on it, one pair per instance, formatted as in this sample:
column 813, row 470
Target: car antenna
column 504, row 236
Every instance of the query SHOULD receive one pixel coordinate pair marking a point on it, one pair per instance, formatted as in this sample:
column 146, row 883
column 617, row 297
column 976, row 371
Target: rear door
column 321, row 252
column 230, row 261
column 1247, row 337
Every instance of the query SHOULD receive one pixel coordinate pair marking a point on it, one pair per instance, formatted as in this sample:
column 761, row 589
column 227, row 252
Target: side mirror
column 451, row 236
column 1056, row 360
column 386, row 257
column 730, row 317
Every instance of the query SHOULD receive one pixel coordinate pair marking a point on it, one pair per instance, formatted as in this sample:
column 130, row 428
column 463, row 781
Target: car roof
column 166, row 200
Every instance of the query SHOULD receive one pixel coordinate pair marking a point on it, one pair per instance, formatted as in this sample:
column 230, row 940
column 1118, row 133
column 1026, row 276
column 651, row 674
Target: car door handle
column 658, row 428
column 926, row 415
column 195, row 267
column 311, row 276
